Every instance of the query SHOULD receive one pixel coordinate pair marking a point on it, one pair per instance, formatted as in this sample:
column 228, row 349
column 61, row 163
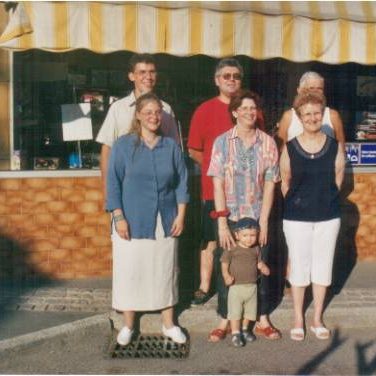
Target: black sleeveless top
column 313, row 195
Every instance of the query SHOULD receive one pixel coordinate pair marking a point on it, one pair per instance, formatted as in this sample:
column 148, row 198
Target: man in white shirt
column 143, row 74
column 290, row 125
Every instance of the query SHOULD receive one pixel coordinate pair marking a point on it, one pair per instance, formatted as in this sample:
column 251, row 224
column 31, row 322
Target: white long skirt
column 145, row 272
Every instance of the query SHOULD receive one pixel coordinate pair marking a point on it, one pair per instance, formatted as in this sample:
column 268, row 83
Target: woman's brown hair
column 237, row 99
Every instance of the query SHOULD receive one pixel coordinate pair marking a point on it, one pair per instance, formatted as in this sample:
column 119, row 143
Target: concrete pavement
column 45, row 311
column 81, row 350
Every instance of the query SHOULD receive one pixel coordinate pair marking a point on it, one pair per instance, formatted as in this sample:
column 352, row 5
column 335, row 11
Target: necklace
column 245, row 155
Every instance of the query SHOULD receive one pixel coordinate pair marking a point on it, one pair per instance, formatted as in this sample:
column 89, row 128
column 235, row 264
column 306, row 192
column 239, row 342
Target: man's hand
column 263, row 235
column 105, row 156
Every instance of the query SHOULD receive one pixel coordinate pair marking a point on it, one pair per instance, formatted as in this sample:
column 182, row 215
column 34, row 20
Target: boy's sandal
column 217, row 335
column 321, row 332
column 269, row 332
column 297, row 334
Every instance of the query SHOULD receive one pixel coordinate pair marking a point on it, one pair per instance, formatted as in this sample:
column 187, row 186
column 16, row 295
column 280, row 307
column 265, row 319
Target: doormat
column 150, row 346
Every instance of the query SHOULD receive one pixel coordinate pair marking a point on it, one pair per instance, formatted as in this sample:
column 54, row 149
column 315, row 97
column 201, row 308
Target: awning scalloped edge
column 18, row 25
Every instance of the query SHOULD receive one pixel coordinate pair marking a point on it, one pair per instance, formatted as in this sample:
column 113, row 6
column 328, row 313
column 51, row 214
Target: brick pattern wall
column 54, row 227
column 359, row 215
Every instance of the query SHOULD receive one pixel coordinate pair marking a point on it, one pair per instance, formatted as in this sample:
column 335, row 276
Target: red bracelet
column 221, row 213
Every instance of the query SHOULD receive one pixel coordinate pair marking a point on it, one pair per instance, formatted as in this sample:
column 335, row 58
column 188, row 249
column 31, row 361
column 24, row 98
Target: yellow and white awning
column 330, row 32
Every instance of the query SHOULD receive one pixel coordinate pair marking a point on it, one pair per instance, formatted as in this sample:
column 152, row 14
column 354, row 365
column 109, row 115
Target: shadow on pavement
column 335, row 343
column 365, row 367
column 18, row 275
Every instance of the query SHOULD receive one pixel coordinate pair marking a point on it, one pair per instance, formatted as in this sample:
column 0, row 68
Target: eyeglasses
column 250, row 108
column 233, row 76
column 151, row 113
column 146, row 72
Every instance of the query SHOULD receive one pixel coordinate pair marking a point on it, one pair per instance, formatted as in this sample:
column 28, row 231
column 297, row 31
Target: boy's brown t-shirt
column 242, row 263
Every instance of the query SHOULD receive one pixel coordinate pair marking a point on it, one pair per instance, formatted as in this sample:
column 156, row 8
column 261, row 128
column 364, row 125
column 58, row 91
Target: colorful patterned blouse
column 244, row 171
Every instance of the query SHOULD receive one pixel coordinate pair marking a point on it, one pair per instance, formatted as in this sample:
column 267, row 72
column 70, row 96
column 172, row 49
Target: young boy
column 239, row 270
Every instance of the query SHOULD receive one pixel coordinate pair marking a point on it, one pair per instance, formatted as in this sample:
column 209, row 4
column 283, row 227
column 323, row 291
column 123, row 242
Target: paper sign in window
column 76, row 119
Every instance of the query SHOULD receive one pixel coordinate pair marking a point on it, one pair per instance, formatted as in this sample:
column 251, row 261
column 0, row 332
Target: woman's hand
column 177, row 226
column 264, row 269
column 226, row 240
column 122, row 229
column 263, row 236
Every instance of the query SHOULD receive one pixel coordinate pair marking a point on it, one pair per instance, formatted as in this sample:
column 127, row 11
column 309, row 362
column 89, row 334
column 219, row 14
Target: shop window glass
column 43, row 81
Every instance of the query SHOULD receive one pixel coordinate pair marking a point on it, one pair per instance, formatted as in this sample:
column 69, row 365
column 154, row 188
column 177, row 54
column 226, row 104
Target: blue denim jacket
column 143, row 181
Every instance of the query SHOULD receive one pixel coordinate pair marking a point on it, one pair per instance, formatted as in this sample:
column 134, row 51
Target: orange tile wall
column 359, row 214
column 56, row 227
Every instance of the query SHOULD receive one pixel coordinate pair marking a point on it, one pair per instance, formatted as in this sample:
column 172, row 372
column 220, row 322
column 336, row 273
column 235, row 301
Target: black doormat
column 150, row 346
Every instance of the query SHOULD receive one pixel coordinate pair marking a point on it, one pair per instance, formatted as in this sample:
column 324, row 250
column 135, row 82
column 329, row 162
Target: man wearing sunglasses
column 210, row 120
column 142, row 72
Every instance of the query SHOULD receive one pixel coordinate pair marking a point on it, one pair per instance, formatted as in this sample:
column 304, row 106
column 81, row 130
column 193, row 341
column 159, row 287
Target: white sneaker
column 175, row 333
column 124, row 336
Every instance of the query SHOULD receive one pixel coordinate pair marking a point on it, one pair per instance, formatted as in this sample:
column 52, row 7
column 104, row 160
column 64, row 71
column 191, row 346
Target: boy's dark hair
column 139, row 58
column 245, row 223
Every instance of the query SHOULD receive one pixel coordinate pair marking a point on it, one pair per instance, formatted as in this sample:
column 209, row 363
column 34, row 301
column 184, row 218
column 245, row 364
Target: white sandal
column 297, row 334
column 321, row 332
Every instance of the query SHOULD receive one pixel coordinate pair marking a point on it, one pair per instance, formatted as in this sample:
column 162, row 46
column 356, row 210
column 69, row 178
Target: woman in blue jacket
column 147, row 195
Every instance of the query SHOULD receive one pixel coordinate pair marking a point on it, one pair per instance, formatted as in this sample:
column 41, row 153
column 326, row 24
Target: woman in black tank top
column 312, row 170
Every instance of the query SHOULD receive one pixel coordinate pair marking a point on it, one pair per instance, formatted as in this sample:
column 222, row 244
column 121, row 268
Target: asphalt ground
column 64, row 327
column 84, row 351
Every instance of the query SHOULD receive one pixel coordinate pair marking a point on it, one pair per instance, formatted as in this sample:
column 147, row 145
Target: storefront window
column 43, row 81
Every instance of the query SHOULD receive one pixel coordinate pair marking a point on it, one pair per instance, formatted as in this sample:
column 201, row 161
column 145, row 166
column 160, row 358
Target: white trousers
column 311, row 247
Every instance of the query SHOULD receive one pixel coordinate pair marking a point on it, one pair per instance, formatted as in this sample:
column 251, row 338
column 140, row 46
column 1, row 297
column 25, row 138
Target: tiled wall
column 56, row 227
column 359, row 215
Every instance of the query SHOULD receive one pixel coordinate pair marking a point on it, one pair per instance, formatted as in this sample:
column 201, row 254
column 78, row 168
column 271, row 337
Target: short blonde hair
column 305, row 97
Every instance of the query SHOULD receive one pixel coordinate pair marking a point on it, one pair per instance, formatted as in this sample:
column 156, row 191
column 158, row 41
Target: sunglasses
column 233, row 76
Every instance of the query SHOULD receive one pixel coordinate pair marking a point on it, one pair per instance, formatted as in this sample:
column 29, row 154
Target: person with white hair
column 290, row 125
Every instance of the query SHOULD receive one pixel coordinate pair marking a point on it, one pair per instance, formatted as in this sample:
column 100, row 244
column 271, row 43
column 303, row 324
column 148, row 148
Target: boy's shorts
column 242, row 302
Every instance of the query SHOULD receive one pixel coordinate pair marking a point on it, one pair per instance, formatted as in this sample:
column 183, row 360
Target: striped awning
column 330, row 32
